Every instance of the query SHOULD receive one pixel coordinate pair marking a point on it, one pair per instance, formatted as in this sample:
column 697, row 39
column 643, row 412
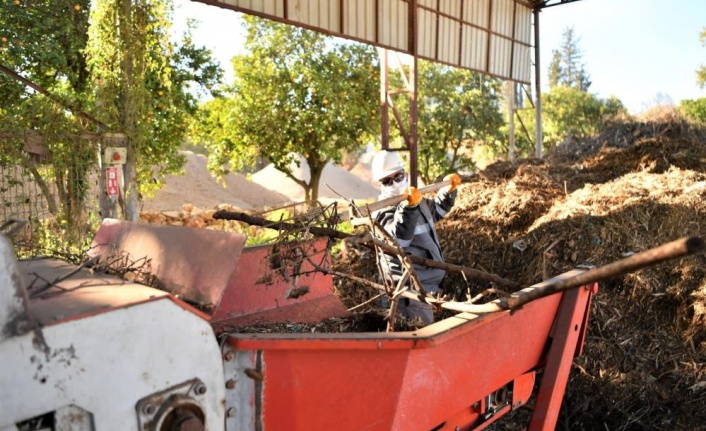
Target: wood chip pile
column 633, row 187
column 636, row 186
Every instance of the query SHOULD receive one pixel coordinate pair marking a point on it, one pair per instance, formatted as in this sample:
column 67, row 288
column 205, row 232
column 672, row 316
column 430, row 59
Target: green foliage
column 568, row 109
column 525, row 133
column 57, row 238
column 572, row 112
column 44, row 41
column 457, row 110
column 47, row 43
column 694, row 109
column 566, row 68
column 295, row 92
column 701, row 71
column 143, row 85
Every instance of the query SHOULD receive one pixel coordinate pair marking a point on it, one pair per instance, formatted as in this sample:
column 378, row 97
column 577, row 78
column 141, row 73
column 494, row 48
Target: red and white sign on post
column 112, row 185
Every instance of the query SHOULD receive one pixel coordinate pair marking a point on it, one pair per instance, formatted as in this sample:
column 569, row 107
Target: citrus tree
column 110, row 67
column 43, row 42
column 142, row 84
column 296, row 94
column 457, row 111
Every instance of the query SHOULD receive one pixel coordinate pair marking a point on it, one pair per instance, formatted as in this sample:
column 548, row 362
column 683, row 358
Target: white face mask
column 395, row 189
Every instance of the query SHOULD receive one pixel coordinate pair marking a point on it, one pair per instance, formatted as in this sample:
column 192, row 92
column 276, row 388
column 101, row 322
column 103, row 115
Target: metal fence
column 58, row 207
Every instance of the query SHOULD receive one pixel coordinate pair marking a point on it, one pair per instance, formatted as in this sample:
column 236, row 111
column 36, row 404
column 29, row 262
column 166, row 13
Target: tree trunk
column 316, row 169
column 43, row 186
column 314, row 182
column 131, row 199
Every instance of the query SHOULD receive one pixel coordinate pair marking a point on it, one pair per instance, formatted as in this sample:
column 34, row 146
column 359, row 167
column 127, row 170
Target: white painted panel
column 521, row 63
column 475, row 48
column 500, row 58
column 448, row 40
column 502, row 17
column 386, row 23
column 451, row 7
column 106, row 362
column 426, row 30
column 11, row 298
column 476, row 12
column 523, row 24
column 393, row 24
column 268, row 7
column 306, row 12
column 359, row 19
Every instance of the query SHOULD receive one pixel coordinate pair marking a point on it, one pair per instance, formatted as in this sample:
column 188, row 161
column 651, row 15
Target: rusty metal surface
column 81, row 294
column 106, row 361
column 490, row 37
column 401, row 381
column 257, row 296
column 195, row 264
column 567, row 337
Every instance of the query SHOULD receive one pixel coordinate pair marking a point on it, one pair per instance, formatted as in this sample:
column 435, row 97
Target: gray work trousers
column 412, row 309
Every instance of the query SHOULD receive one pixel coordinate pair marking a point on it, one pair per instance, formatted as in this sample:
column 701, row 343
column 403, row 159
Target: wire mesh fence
column 55, row 196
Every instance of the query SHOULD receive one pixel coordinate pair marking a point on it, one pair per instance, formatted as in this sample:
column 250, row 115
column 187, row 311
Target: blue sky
column 641, row 51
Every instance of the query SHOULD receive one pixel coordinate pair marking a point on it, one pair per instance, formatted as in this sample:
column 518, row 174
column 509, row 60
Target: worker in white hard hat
column 411, row 223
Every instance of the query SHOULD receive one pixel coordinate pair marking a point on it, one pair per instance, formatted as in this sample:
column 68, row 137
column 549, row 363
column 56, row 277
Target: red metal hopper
column 212, row 270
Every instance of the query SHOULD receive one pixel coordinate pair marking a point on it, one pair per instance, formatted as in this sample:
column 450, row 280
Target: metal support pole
column 384, row 106
column 538, row 87
column 511, row 120
column 412, row 144
column 413, row 125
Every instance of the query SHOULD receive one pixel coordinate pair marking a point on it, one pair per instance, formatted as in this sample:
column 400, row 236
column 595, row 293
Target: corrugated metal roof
column 489, row 36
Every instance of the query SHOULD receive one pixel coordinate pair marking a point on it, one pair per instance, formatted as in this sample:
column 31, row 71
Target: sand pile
column 335, row 181
column 636, row 186
column 197, row 187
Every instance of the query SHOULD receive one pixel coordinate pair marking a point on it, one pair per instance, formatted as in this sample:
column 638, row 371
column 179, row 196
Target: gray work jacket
column 413, row 228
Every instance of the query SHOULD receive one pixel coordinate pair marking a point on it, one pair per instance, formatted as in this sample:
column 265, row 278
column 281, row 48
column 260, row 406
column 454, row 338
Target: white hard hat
column 386, row 163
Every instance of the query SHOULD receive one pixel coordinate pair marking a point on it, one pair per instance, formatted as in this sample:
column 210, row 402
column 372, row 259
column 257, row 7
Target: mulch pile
column 191, row 216
column 633, row 187
column 592, row 202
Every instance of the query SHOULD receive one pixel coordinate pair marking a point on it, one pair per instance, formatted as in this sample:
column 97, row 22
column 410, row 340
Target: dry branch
column 672, row 250
column 367, row 241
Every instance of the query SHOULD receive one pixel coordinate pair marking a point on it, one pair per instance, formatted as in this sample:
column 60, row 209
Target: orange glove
column 455, row 181
column 414, row 196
